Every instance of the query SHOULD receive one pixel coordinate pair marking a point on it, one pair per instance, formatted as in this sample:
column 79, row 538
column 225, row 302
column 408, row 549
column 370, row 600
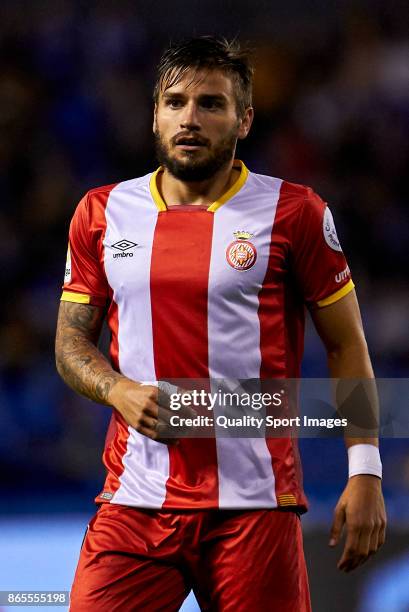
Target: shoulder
column 307, row 199
column 305, row 202
column 97, row 198
column 131, row 185
column 289, row 192
column 295, row 202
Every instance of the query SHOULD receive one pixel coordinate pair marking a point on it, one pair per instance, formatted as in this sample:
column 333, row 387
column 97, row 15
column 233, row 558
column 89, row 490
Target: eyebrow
column 213, row 97
column 207, row 97
column 172, row 95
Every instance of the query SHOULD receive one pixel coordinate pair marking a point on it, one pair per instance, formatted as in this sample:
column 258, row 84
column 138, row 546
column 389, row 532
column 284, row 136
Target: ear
column 155, row 123
column 245, row 123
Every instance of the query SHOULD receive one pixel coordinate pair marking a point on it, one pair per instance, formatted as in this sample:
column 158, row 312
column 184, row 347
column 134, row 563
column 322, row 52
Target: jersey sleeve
column 321, row 270
column 85, row 280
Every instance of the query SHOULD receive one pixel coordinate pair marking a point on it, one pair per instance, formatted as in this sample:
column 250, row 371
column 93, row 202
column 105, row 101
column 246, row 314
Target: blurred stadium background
column 331, row 97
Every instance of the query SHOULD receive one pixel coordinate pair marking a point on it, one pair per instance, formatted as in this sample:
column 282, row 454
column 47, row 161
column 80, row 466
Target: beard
column 195, row 170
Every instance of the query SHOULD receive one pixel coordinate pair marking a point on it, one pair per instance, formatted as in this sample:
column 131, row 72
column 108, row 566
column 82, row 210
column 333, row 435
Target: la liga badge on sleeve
column 241, row 254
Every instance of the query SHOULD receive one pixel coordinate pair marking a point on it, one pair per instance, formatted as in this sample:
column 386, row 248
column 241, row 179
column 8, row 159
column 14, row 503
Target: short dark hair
column 208, row 53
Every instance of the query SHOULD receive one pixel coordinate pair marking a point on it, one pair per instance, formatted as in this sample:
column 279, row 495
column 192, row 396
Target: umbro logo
column 123, row 245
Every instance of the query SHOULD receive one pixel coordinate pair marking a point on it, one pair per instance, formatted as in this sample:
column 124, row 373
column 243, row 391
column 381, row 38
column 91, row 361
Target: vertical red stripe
column 179, row 285
column 115, row 449
column 117, row 434
column 281, row 316
column 113, row 324
column 179, row 300
column 281, row 310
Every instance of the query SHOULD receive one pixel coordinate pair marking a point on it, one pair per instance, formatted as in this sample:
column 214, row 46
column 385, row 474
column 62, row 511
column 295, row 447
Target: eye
column 174, row 103
column 210, row 104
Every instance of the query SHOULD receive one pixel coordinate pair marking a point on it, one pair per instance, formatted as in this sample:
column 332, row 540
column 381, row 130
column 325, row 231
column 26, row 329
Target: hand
column 138, row 404
column 361, row 507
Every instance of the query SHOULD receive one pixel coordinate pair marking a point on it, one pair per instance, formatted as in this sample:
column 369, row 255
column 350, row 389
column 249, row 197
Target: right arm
column 80, row 364
column 85, row 369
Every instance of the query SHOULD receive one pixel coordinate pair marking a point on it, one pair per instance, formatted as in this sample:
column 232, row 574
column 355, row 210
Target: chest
column 197, row 252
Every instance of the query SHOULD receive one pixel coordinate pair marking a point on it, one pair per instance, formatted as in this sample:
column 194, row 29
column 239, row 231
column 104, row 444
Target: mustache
column 189, row 138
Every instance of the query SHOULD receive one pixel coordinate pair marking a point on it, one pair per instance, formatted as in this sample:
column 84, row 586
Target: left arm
column 361, row 506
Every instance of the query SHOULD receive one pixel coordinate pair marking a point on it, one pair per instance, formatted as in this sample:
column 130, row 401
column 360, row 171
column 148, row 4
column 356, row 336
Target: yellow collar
column 237, row 185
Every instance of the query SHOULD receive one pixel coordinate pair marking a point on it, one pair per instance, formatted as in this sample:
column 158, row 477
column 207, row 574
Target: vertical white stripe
column 246, row 477
column 146, row 471
column 131, row 215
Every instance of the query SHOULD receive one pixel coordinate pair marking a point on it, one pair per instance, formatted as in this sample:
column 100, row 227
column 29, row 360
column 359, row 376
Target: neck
column 175, row 191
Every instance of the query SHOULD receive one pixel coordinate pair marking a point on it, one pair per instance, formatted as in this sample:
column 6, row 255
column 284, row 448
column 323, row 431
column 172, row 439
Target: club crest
column 241, row 254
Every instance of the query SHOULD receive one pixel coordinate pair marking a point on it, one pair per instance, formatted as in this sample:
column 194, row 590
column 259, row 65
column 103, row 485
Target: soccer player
column 203, row 270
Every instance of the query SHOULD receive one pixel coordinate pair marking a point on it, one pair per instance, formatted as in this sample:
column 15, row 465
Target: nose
column 190, row 117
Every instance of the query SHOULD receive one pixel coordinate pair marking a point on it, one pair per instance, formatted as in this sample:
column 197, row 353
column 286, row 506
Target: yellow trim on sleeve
column 337, row 295
column 78, row 298
column 237, row 185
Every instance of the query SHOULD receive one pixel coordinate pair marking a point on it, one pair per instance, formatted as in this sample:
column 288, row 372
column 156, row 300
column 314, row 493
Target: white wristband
column 364, row 459
column 167, row 387
column 162, row 385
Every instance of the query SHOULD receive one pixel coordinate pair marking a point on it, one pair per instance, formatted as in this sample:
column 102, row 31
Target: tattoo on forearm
column 79, row 362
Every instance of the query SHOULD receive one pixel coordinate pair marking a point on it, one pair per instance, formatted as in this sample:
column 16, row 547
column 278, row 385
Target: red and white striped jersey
column 204, row 293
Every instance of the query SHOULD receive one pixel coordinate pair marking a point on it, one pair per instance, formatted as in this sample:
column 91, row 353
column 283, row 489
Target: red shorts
column 148, row 560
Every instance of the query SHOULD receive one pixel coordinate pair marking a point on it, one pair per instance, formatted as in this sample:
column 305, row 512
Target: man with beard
column 202, row 270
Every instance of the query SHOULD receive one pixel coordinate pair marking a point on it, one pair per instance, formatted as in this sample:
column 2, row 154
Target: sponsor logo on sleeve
column 330, row 233
column 341, row 276
column 67, row 274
